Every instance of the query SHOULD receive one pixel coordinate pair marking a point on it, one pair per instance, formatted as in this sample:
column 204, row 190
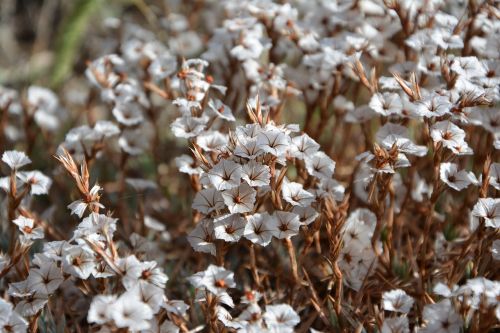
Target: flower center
column 77, row 261
column 146, row 274
column 447, row 135
column 220, row 283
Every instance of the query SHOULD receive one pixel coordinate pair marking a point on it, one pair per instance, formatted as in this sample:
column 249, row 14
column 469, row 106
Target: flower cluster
column 211, row 287
column 246, row 191
column 254, row 166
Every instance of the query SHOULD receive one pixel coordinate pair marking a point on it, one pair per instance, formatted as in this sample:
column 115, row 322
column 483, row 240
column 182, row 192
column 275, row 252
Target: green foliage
column 401, row 269
column 450, row 232
column 71, row 35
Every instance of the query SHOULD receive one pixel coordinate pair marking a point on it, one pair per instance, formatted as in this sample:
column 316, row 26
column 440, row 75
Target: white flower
column 251, row 297
column 480, row 292
column 42, row 98
column 393, row 134
column 96, row 225
column 202, row 237
column 5, row 184
column 449, row 134
column 330, row 188
column 146, row 272
column 442, row 289
column 386, row 104
column 45, row 279
column 303, row 146
column 256, row 174
column 78, row 207
column 78, row 261
column 208, row 200
column 101, row 309
column 284, row 224
column 363, row 216
column 281, row 316
column 251, row 315
column 309, row 42
column 488, row 118
column 248, row 148
column 489, row 210
column 9, row 101
column 5, row 311
column 295, row 194
column 248, row 131
column 131, row 312
column 225, row 175
column 54, row 249
column 397, row 300
column 45, row 105
column 15, row 324
column 240, row 199
column 31, row 305
column 106, row 129
column 469, row 67
column 19, row 289
column 15, row 159
column 103, row 72
column 188, row 127
column 395, row 325
column 27, row 227
column 441, row 318
column 433, row 105
column 151, row 295
column 220, row 110
column 186, row 43
column 355, row 261
column 225, row 317
column 163, row 66
column 11, row 321
column 320, row 165
column 186, row 106
column 212, row 141
column 38, row 182
column 215, row 279
column 273, row 140
column 133, row 141
column 307, row 215
column 185, row 164
column 129, row 91
column 154, row 224
column 128, row 114
column 494, row 177
column 229, row 228
column 258, row 228
column 249, row 48
column 457, row 180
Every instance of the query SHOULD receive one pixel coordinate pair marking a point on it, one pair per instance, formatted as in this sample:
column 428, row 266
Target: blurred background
column 48, row 43
column 43, row 41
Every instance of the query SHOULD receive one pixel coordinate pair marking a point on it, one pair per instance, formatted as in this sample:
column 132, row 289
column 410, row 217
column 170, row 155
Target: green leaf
column 71, row 35
column 400, row 268
column 450, row 232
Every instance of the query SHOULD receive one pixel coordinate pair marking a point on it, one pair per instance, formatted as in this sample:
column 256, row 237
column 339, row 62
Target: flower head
column 15, row 159
column 397, row 300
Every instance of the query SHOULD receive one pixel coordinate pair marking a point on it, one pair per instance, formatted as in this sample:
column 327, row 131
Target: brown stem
column 293, row 260
column 253, row 265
